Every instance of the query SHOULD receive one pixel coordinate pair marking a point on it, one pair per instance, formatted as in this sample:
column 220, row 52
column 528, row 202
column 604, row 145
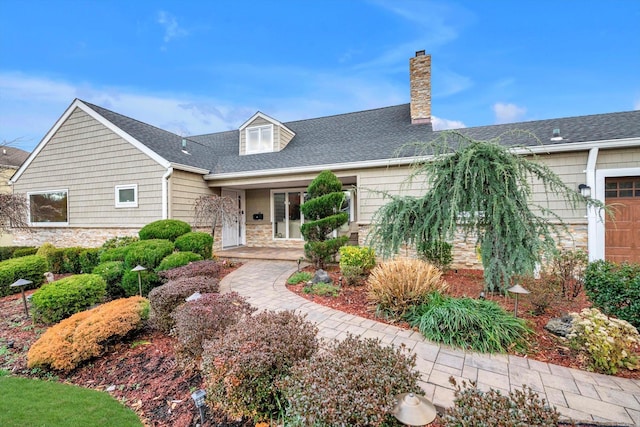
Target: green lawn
column 34, row 403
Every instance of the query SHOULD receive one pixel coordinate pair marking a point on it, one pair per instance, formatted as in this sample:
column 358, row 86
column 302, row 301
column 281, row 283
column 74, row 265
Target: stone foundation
column 260, row 236
column 65, row 237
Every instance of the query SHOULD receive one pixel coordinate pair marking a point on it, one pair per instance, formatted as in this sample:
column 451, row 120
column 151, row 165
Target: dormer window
column 260, row 139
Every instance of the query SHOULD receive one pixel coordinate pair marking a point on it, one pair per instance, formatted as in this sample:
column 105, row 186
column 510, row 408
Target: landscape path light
column 21, row 283
column 414, row 410
column 517, row 289
column 198, row 398
column 139, row 268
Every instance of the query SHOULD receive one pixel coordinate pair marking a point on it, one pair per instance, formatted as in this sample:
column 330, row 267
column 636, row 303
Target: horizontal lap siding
column 186, row 187
column 89, row 160
column 619, row 158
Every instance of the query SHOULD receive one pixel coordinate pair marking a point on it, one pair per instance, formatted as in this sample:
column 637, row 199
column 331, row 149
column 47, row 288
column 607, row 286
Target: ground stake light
column 414, row 410
column 22, row 283
column 517, row 289
column 198, row 397
column 139, row 268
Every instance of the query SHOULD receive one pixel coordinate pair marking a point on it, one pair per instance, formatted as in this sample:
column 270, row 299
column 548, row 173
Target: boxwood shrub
column 169, row 229
column 24, row 251
column 148, row 278
column 114, row 254
column 60, row 299
column 111, row 272
column 83, row 335
column 89, row 258
column 147, row 253
column 615, row 289
column 195, row 241
column 30, row 267
column 178, row 259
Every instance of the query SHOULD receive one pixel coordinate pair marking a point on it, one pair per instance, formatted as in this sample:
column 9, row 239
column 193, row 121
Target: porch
column 244, row 253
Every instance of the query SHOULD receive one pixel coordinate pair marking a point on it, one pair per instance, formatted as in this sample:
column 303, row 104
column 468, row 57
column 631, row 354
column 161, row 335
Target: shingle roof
column 361, row 136
column 12, row 157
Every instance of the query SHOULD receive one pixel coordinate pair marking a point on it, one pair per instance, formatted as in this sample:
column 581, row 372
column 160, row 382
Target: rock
column 49, row 276
column 560, row 326
column 321, row 276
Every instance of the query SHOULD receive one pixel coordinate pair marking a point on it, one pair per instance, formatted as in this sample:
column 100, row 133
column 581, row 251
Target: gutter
column 165, row 192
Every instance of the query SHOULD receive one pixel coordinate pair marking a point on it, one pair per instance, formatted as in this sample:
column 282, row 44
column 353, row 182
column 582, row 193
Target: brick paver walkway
column 582, row 396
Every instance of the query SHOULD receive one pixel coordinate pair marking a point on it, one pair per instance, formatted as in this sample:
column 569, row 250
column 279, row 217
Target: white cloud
column 171, row 28
column 508, row 113
column 444, row 124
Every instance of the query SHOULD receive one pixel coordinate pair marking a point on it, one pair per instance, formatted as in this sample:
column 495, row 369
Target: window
column 127, row 196
column 259, row 139
column 622, row 187
column 49, row 207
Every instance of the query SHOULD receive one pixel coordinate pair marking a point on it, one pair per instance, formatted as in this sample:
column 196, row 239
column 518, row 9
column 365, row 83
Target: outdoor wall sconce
column 585, row 190
column 414, row 410
column 139, row 268
column 21, row 283
column 198, row 398
column 517, row 289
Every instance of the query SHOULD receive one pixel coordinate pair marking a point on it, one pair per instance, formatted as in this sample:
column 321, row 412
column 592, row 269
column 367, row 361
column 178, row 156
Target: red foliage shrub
column 199, row 268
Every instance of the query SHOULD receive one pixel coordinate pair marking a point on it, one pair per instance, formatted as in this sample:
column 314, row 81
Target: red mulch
column 544, row 346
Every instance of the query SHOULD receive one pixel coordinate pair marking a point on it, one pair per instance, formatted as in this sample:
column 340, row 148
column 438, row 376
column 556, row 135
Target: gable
column 263, row 134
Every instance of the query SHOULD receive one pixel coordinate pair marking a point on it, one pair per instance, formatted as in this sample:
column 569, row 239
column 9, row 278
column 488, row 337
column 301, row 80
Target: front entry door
column 232, row 233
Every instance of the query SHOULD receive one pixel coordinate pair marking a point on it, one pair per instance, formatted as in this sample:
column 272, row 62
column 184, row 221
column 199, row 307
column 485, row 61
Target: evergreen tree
column 322, row 215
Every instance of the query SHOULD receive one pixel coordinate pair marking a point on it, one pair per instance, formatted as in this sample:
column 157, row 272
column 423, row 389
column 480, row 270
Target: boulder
column 560, row 326
column 321, row 276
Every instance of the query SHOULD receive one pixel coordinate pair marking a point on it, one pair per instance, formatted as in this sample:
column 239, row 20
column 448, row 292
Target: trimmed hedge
column 30, row 267
column 24, row 251
column 83, row 335
column 178, row 259
column 195, row 241
column 615, row 289
column 207, row 268
column 169, row 229
column 114, row 254
column 131, row 286
column 60, row 299
column 111, row 272
column 147, row 253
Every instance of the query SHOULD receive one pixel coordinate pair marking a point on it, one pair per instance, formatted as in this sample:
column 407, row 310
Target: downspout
column 165, row 192
column 593, row 216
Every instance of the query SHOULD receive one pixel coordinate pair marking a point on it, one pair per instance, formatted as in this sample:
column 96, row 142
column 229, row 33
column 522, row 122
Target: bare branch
column 212, row 210
column 13, row 212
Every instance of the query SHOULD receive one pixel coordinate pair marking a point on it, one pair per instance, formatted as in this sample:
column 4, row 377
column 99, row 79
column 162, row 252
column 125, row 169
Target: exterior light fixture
column 21, row 283
column 585, row 190
column 198, row 398
column 414, row 410
column 482, row 295
column 517, row 289
column 299, row 261
column 139, row 268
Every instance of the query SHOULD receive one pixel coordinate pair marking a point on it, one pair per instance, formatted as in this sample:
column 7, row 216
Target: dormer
column 262, row 134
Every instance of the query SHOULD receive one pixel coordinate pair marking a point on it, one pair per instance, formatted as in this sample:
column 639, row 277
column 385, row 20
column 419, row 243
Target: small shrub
column 568, row 268
column 118, row 242
column 200, row 243
column 243, row 367
column 45, row 251
column 147, row 253
column 395, row 286
column 608, row 342
column 31, row 267
column 322, row 289
column 177, row 259
column 111, row 272
column 437, row 252
column 321, row 253
column 89, row 258
column 164, row 299
column 615, row 289
column 71, row 260
column 544, row 292
column 24, row 251
column 350, row 383
column 131, row 285
column 476, row 408
column 60, row 299
column 208, row 268
column 300, row 276
column 467, row 323
column 83, row 335
column 353, row 274
column 355, row 263
column 164, row 229
column 205, row 318
column 114, row 254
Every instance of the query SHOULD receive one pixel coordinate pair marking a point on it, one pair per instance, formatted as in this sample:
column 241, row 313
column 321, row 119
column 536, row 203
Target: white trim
column 165, row 192
column 188, row 168
column 601, row 175
column 259, row 128
column 242, row 219
column 48, row 224
column 132, row 204
column 91, row 112
column 593, row 216
column 264, row 117
column 286, row 191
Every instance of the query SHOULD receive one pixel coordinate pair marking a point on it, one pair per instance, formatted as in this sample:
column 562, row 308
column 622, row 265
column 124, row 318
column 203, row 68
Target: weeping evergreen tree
column 322, row 215
column 482, row 189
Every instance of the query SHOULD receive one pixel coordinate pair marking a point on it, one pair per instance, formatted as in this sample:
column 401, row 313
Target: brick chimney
column 420, row 82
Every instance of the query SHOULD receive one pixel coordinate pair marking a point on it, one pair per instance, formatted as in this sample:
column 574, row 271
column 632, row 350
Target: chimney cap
column 420, row 53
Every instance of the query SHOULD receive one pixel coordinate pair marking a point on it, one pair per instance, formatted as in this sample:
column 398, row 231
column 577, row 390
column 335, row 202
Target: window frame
column 134, row 203
column 259, row 129
column 48, row 224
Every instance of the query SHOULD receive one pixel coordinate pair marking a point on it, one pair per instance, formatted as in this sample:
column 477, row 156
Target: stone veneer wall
column 64, row 237
column 464, row 252
column 260, row 235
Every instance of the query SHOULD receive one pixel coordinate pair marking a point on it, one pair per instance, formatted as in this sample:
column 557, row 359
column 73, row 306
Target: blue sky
column 195, row 67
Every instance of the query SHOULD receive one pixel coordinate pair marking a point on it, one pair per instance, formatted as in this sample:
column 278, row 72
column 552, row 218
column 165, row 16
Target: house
column 99, row 174
column 10, row 160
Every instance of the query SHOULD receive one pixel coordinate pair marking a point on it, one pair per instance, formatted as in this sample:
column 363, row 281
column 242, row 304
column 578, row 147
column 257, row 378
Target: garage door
column 622, row 235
